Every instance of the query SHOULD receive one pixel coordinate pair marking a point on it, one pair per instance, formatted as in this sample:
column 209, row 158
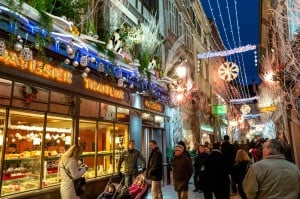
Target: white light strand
column 226, row 52
column 244, row 100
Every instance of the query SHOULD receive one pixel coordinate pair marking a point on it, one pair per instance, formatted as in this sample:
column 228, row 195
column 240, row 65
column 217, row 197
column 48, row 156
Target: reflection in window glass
column 5, row 88
column 62, row 103
column 89, row 108
column 107, row 111
column 21, row 168
column 57, row 140
column 86, row 140
column 122, row 114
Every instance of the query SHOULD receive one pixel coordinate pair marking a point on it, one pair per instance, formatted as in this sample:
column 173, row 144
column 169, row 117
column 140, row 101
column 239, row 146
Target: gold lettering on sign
column 153, row 105
column 37, row 68
column 104, row 89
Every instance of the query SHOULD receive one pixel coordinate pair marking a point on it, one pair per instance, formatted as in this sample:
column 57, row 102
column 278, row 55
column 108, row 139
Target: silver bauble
column 18, row 47
column 92, row 59
column 67, row 61
column 75, row 63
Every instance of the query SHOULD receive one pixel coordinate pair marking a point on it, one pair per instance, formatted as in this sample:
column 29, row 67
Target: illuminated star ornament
column 228, row 71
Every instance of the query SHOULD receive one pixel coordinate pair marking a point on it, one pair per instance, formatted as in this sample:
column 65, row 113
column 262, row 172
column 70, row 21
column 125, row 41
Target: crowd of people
column 256, row 170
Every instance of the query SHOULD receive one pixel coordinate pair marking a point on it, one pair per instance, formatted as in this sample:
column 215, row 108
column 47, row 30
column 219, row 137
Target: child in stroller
column 109, row 194
column 138, row 189
column 111, row 189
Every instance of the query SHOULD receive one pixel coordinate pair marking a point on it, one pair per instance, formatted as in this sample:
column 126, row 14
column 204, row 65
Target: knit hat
column 180, row 146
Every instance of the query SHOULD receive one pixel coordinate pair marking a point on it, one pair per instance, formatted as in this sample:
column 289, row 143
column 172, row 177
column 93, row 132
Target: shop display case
column 21, row 172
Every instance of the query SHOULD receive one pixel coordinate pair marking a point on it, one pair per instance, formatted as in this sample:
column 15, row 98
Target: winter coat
column 272, row 177
column 182, row 172
column 154, row 166
column 229, row 152
column 239, row 171
column 130, row 158
column 67, row 190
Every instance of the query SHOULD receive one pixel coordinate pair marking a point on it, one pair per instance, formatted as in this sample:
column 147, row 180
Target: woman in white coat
column 70, row 163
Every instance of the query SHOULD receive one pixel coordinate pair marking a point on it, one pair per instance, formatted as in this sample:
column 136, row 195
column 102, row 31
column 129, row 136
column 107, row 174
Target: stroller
column 112, row 188
column 139, row 188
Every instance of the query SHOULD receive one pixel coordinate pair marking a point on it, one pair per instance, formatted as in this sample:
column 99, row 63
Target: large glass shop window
column 58, row 139
column 86, row 139
column 120, row 142
column 105, row 148
column 22, row 165
column 2, row 121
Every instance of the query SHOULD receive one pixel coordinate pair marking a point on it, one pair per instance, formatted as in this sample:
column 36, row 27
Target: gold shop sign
column 268, row 109
column 37, row 68
column 104, row 89
column 153, row 105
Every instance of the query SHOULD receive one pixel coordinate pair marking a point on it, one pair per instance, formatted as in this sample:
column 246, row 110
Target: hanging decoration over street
column 245, row 109
column 228, row 71
column 227, row 52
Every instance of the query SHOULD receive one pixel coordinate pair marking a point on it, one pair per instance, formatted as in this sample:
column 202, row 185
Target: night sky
column 247, row 13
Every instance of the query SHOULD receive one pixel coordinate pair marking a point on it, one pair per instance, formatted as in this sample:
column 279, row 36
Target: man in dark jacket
column 182, row 171
column 131, row 157
column 229, row 152
column 154, row 170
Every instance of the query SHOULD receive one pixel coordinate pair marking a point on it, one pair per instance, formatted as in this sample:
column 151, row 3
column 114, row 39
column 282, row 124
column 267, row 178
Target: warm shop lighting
column 38, row 128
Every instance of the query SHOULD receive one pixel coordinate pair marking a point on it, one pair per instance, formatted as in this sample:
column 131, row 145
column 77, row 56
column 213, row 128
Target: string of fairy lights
column 240, row 60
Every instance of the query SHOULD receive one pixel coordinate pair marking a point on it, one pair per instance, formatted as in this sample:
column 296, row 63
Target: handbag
column 79, row 184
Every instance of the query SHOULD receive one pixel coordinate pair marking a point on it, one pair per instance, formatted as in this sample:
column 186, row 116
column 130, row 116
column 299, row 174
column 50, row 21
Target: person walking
column 273, row 176
column 154, row 170
column 182, row 171
column 217, row 174
column 199, row 168
column 240, row 168
column 69, row 167
column 229, row 152
column 130, row 157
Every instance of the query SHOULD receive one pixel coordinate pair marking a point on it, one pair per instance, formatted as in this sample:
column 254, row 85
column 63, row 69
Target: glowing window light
column 181, row 71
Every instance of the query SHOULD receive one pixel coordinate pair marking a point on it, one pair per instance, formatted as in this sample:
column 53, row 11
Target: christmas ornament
column 228, row 71
column 245, row 109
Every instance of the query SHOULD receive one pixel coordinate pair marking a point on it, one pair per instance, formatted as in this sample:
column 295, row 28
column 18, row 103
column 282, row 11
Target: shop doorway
column 151, row 134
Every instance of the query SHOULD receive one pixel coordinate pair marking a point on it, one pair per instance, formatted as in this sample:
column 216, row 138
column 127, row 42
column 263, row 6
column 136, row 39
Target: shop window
column 30, row 96
column 105, row 148
column 147, row 119
column 57, row 141
column 89, row 108
column 22, row 165
column 120, row 142
column 2, row 122
column 159, row 121
column 107, row 112
column 62, row 103
column 122, row 114
column 86, row 139
column 5, row 94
